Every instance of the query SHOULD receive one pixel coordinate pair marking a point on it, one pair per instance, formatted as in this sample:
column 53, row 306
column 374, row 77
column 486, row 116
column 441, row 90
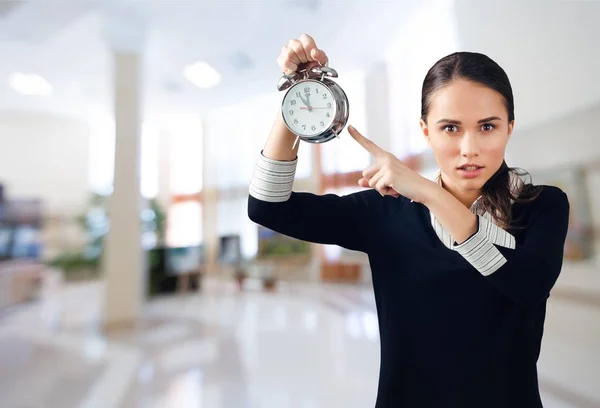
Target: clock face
column 309, row 108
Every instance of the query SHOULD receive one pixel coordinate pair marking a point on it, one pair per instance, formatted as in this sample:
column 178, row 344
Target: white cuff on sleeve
column 496, row 234
column 479, row 250
column 273, row 180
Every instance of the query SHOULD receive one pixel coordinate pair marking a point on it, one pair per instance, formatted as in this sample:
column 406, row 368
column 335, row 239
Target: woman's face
column 467, row 128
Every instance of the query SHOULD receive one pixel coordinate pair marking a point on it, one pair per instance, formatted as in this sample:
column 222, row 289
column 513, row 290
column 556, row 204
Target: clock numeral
column 295, row 121
column 303, row 127
column 322, row 123
column 329, row 104
column 324, row 96
column 307, row 89
column 298, row 94
column 293, row 102
column 328, row 115
column 313, row 127
column 316, row 90
column 291, row 112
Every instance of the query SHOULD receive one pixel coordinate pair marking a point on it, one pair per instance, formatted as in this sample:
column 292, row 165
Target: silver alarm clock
column 314, row 108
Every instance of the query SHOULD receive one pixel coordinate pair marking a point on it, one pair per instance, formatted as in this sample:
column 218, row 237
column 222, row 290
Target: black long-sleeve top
column 455, row 331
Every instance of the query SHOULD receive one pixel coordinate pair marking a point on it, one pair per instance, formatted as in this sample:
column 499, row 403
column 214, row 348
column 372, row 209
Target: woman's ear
column 425, row 131
column 511, row 126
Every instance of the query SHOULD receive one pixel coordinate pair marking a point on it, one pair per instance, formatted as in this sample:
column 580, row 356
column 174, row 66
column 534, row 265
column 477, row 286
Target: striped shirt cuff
column 479, row 250
column 273, row 180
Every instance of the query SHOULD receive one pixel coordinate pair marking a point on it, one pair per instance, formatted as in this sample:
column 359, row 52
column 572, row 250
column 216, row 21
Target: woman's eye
column 450, row 128
column 487, row 127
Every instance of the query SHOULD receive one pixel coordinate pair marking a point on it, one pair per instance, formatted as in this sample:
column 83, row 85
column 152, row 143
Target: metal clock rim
column 341, row 111
column 327, row 85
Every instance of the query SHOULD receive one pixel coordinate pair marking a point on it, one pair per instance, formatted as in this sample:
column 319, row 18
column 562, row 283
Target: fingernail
column 350, row 127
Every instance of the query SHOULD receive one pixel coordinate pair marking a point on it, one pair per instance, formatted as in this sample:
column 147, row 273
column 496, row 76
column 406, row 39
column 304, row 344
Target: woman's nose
column 469, row 145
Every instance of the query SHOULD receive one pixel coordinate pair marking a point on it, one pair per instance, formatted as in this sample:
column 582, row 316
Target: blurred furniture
column 20, row 281
column 185, row 263
column 230, row 249
column 230, row 258
column 175, row 269
column 280, row 257
column 21, row 269
column 341, row 272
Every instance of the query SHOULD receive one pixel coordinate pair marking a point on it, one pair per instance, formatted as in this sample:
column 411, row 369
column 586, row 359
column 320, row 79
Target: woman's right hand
column 300, row 54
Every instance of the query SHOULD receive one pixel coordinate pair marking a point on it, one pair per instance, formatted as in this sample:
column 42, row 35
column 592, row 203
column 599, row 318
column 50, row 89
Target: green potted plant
column 85, row 263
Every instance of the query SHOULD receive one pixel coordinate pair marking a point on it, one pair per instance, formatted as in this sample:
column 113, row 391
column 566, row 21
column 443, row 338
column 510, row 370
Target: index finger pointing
column 364, row 142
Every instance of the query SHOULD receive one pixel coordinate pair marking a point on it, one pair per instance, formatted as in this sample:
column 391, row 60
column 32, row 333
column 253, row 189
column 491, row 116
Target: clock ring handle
column 287, row 80
column 320, row 71
column 324, row 71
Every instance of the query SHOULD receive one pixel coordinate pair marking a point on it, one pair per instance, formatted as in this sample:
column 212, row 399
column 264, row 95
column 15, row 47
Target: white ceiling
column 66, row 42
column 549, row 48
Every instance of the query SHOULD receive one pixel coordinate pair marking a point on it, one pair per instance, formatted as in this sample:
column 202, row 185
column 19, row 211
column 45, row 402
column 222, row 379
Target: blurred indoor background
column 149, row 116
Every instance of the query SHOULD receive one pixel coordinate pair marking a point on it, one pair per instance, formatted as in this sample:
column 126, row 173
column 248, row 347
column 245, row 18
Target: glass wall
column 184, row 215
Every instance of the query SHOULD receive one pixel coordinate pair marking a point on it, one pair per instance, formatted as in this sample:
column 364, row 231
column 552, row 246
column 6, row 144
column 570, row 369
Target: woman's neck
column 466, row 197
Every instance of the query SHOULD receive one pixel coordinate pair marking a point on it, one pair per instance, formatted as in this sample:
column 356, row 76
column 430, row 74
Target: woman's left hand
column 389, row 175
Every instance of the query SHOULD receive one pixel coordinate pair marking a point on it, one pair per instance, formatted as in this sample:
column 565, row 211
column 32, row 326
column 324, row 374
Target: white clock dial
column 309, row 108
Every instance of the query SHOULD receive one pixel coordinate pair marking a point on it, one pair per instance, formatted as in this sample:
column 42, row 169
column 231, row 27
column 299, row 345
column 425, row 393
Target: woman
column 462, row 267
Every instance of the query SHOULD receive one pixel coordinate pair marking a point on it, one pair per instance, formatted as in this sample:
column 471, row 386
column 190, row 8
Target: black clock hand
column 303, row 101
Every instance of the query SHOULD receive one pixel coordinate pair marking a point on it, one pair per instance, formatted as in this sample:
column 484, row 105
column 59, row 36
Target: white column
column 210, row 191
column 164, row 167
column 377, row 105
column 124, row 263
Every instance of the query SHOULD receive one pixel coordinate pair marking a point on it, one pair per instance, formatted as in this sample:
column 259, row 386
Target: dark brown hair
column 498, row 193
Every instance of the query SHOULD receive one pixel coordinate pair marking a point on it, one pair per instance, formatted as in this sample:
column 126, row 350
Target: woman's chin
column 470, row 184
